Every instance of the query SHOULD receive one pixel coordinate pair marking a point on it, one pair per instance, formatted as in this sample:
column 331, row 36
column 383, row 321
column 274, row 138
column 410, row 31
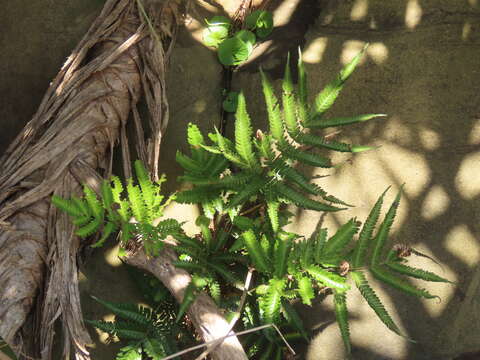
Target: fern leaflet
column 341, row 314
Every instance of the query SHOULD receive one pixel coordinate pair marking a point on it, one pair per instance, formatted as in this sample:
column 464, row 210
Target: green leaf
column 303, row 202
column 273, row 108
column 365, row 236
column 328, row 278
column 382, row 234
column 309, row 158
column 342, row 237
column 272, row 211
column 231, row 102
column 271, row 302
column 261, row 21
column 317, row 141
column 154, row 348
column 305, row 290
column 255, row 251
column 243, row 133
column 247, row 37
column 341, row 314
column 373, row 301
column 390, row 279
column 233, row 51
column 414, row 272
column 107, row 231
column 326, row 123
column 216, row 31
column 6, row 350
column 130, row 352
column 327, row 96
column 194, row 135
column 294, row 319
column 283, row 245
column 188, row 299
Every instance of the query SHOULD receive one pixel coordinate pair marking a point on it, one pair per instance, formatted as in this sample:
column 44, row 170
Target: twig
column 229, row 335
column 235, row 318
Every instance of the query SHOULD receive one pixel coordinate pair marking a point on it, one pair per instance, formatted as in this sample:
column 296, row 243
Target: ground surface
column 422, row 69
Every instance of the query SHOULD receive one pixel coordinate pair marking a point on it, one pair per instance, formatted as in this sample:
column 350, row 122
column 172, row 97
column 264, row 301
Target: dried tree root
column 82, row 115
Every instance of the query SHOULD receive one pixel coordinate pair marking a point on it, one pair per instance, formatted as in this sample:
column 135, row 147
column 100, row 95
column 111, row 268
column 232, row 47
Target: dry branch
column 81, row 117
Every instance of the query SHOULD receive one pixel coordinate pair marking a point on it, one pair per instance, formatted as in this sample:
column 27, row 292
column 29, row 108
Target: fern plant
column 242, row 186
column 150, row 333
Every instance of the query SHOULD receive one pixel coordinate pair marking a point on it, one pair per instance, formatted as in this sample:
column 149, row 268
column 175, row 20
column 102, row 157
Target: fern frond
column 341, row 314
column 414, row 272
column 373, row 301
column 246, row 192
column 255, row 251
column 227, row 182
column 108, row 230
column 130, row 352
column 327, row 96
column 197, row 195
column 214, row 290
column 126, row 311
column 272, row 211
column 305, row 157
column 82, row 206
column 302, row 201
column 149, row 193
column 188, row 163
column 189, row 266
column 154, row 348
column 194, row 136
column 320, row 241
column 326, row 123
column 328, row 278
column 342, row 237
column 288, row 100
column 365, row 236
column 271, row 302
column 67, row 206
column 305, row 290
column 273, row 109
column 243, row 133
column 89, row 229
column 382, row 234
column 93, row 203
column 294, row 319
column 136, row 201
column 229, row 152
column 283, row 246
column 390, row 279
column 317, row 141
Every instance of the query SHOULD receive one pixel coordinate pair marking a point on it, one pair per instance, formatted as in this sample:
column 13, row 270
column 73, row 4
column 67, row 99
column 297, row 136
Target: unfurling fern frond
column 373, row 301
column 341, row 314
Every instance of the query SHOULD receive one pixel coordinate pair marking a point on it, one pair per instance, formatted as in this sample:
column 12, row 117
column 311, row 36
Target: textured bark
column 70, row 138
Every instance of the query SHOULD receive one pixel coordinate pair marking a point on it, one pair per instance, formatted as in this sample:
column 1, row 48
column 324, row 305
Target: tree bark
column 81, row 117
